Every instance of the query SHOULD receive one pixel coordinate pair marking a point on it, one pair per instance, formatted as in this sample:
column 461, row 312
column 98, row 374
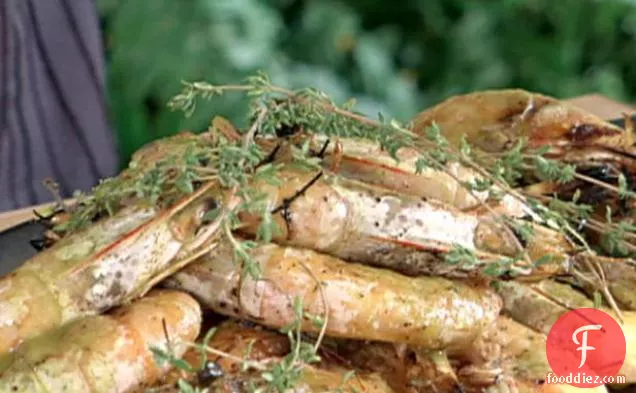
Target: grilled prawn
column 88, row 272
column 406, row 369
column 107, row 353
column 539, row 305
column 243, row 345
column 510, row 358
column 360, row 302
column 337, row 230
column 366, row 161
column 495, row 121
column 358, row 222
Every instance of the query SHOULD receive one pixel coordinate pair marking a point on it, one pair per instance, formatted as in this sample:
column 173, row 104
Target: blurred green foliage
column 396, row 57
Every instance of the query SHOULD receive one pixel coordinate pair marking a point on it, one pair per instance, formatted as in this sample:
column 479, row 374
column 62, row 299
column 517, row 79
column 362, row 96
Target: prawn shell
column 366, row 161
column 257, row 344
column 312, row 380
column 516, row 349
column 363, row 302
column 93, row 270
column 105, row 353
column 358, row 222
column 494, row 120
column 539, row 306
column 406, row 369
column 621, row 279
column 31, row 297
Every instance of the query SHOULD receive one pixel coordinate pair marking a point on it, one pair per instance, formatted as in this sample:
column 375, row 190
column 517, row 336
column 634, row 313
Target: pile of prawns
column 362, row 244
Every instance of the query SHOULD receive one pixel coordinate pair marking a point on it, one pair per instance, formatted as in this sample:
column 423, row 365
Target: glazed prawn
column 495, row 121
column 406, row 369
column 367, row 162
column 358, row 222
column 539, row 305
column 362, row 302
column 242, row 344
column 510, row 358
column 106, row 353
column 88, row 272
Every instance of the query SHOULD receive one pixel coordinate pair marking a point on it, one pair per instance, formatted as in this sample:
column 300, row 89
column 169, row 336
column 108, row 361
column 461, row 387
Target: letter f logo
column 584, row 347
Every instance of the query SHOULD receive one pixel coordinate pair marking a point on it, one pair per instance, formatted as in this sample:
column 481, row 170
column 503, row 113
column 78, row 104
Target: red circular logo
column 585, row 347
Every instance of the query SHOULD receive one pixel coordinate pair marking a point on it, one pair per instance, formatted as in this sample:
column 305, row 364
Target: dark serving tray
column 15, row 247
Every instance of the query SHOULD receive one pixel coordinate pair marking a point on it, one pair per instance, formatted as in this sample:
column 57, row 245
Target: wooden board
column 597, row 104
column 15, row 217
column 602, row 106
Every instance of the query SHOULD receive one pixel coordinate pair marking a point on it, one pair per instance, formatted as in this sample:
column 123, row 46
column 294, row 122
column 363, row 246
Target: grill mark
column 619, row 152
column 582, row 133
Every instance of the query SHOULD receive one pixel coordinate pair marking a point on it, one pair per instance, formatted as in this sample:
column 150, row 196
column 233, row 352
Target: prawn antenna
column 54, row 189
column 284, row 207
column 270, row 157
column 322, row 151
column 166, row 335
column 40, row 217
column 47, row 220
column 288, row 201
